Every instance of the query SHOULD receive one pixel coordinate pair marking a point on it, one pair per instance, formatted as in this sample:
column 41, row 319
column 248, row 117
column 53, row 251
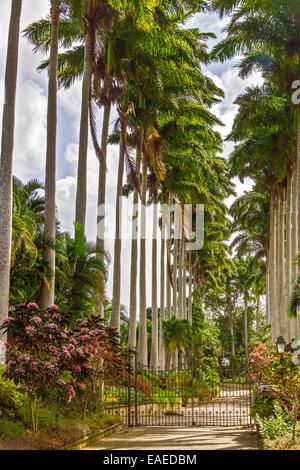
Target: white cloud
column 70, row 99
column 232, row 85
column 30, row 130
column 30, row 136
column 71, row 153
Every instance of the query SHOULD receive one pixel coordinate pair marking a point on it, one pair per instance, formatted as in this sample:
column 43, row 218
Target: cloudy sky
column 30, row 138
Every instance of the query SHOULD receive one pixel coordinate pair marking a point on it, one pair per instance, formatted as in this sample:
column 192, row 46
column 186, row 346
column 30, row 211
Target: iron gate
column 180, row 398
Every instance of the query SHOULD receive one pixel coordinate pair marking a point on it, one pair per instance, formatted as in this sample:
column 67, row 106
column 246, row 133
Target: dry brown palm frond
column 154, row 144
column 93, row 129
column 131, row 170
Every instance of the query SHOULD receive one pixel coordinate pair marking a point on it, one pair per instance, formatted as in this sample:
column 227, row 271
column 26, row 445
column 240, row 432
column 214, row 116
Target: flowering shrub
column 269, row 367
column 43, row 352
column 260, row 359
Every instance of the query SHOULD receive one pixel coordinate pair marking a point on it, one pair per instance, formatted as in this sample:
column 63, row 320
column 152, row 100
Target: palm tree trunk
column 115, row 316
column 184, row 282
column 6, row 162
column 81, row 193
column 162, row 299
column 168, row 360
column 154, row 343
column 257, row 313
column 231, row 329
column 288, row 265
column 293, row 332
column 175, row 257
column 190, row 304
column 281, row 261
column 143, row 345
column 246, row 329
column 297, row 321
column 273, row 266
column 276, row 321
column 180, row 281
column 134, row 250
column 101, row 196
column 48, row 289
column 267, row 314
column 168, row 281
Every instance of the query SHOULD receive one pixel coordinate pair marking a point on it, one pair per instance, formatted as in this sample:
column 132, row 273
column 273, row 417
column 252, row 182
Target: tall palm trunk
column 246, row 328
column 101, row 196
column 143, row 345
column 267, row 315
column 230, row 320
column 257, row 313
column 162, row 299
column 116, row 300
column 81, row 193
column 175, row 257
column 168, row 280
column 7, row 148
column 288, row 264
column 175, row 286
column 134, row 250
column 281, row 266
column 190, row 301
column 154, row 343
column 293, row 332
column 276, row 319
column 297, row 321
column 184, row 282
column 273, row 270
column 180, row 281
column 48, row 289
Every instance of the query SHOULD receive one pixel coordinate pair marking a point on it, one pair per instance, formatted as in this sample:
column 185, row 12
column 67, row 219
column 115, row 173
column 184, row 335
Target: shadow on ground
column 167, row 438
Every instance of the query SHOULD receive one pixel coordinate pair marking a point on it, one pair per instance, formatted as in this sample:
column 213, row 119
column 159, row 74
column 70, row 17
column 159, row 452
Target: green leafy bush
column 10, row 396
column 263, row 407
column 277, row 425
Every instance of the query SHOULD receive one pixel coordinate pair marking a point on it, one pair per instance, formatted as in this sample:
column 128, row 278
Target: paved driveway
column 181, row 438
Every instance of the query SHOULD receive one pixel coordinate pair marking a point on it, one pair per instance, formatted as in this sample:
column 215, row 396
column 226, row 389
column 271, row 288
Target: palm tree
column 80, row 213
column 7, row 148
column 27, row 267
column 47, row 290
column 143, row 16
column 270, row 172
column 174, row 337
column 81, row 274
column 279, row 60
column 243, row 279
